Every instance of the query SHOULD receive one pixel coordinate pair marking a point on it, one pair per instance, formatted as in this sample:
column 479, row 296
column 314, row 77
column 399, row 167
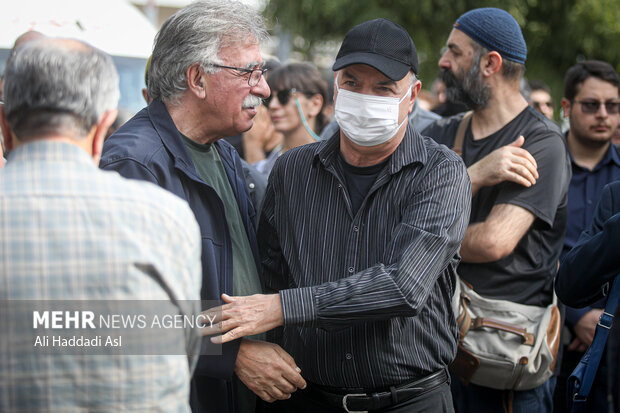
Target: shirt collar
column 49, row 150
column 410, row 150
column 610, row 156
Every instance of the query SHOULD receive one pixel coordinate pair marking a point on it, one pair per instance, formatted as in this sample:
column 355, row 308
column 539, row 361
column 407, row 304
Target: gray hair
column 196, row 34
column 58, row 85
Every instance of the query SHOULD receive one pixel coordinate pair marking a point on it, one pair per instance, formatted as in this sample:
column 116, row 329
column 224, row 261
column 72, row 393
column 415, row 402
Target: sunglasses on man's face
column 591, row 107
column 283, row 96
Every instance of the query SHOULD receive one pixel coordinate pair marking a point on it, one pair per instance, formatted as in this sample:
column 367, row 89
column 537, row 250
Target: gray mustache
column 251, row 101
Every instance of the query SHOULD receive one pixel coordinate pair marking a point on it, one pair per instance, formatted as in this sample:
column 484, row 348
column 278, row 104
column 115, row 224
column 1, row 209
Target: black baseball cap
column 379, row 43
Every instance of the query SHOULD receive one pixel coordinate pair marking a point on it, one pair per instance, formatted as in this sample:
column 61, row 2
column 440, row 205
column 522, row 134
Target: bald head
column 61, row 44
column 27, row 37
column 23, row 38
column 58, row 86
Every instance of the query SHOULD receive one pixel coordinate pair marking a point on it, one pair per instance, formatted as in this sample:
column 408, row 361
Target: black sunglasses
column 591, row 107
column 538, row 105
column 284, row 96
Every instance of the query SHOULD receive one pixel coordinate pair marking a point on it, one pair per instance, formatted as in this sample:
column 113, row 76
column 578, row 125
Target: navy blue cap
column 496, row 30
column 379, row 43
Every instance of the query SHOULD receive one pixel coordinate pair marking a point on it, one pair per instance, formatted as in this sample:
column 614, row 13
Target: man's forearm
column 478, row 245
column 497, row 236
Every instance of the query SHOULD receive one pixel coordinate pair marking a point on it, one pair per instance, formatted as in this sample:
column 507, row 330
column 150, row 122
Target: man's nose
column 444, row 62
column 602, row 111
column 261, row 89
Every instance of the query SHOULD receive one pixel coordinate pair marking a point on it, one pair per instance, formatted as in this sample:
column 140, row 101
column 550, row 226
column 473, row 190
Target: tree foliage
column 558, row 32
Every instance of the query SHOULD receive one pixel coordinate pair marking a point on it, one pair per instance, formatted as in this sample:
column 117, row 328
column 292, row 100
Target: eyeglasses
column 255, row 74
column 538, row 105
column 591, row 107
column 283, row 96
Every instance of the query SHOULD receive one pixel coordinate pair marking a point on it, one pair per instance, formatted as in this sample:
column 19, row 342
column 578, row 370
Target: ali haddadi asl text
column 77, row 341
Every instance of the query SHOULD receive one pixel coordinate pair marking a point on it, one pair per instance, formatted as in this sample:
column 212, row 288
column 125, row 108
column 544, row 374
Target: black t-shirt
column 359, row 180
column 525, row 276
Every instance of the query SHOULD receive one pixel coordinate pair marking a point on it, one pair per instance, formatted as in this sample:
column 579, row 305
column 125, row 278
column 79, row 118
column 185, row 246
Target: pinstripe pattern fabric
column 366, row 298
column 69, row 231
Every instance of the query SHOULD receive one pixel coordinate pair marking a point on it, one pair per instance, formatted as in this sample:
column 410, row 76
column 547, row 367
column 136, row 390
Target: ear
column 101, row 128
column 314, row 105
column 566, row 107
column 195, row 80
column 145, row 95
column 7, row 133
column 335, row 88
column 415, row 90
column 491, row 63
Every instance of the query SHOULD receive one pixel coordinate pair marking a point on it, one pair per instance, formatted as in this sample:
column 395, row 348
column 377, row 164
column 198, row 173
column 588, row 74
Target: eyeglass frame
column 290, row 92
column 538, row 104
column 261, row 70
column 598, row 103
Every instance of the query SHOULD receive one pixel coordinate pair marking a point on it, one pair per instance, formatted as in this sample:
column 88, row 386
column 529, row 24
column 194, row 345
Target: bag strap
column 527, row 339
column 463, row 321
column 466, row 323
column 595, row 351
column 460, row 133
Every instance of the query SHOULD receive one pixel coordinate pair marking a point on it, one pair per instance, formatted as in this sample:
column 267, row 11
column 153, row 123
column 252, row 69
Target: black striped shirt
column 366, row 297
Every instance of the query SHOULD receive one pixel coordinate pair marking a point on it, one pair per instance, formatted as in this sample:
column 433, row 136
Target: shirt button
column 251, row 185
column 348, row 356
column 351, row 270
column 356, row 228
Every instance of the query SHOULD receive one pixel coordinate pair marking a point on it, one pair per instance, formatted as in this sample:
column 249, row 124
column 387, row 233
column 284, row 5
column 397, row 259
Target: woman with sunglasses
column 298, row 95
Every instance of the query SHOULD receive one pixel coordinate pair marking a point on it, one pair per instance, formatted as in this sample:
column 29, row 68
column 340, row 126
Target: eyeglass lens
column 539, row 104
column 255, row 77
column 591, row 107
column 282, row 95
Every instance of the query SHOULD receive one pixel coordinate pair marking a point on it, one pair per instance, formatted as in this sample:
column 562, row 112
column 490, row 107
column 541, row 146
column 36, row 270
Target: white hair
column 196, row 34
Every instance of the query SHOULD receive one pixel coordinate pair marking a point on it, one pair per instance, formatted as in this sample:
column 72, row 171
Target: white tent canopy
column 114, row 26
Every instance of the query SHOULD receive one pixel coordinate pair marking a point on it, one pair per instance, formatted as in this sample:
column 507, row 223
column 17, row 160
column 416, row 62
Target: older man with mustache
column 206, row 80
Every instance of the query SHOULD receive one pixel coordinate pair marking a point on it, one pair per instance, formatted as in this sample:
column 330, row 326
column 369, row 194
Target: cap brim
column 393, row 69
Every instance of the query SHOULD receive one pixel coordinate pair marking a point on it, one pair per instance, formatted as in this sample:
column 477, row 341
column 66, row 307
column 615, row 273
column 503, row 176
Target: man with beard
column 205, row 81
column 519, row 170
column 592, row 105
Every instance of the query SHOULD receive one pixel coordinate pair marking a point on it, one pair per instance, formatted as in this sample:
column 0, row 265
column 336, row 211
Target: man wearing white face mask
column 359, row 238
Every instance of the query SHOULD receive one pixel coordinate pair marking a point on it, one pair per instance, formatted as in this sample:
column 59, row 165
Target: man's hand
column 584, row 330
column 268, row 370
column 244, row 316
column 508, row 163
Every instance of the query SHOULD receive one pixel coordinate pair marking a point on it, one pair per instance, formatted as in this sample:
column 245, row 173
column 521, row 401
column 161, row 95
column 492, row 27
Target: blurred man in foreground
column 72, row 232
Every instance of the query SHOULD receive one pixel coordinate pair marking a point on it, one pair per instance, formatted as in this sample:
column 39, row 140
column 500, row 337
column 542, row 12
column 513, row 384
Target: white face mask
column 368, row 120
